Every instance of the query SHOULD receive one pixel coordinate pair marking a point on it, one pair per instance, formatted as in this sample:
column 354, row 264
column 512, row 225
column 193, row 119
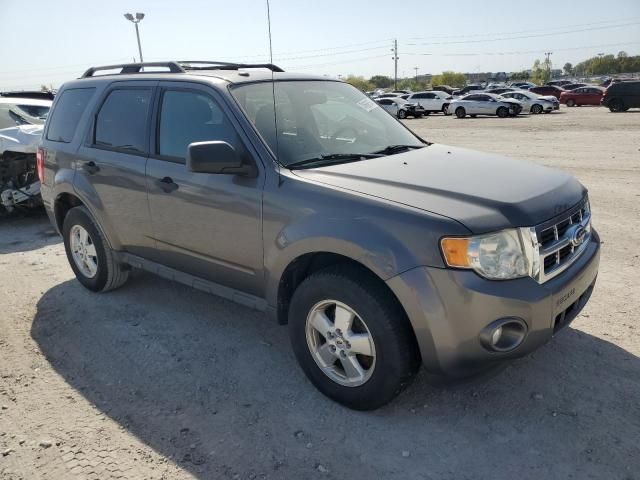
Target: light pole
column 136, row 20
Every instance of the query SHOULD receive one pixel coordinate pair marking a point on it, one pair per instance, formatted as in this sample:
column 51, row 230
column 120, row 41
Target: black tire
column 616, row 105
column 502, row 112
column 110, row 274
column 571, row 102
column 473, row 115
column 461, row 112
column 445, row 109
column 402, row 114
column 536, row 108
column 397, row 358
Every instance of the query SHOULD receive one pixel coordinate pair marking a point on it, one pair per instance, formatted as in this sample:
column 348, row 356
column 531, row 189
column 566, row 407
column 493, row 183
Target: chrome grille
column 557, row 241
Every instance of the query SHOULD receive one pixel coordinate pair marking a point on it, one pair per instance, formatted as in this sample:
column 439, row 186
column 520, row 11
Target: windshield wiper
column 332, row 158
column 391, row 149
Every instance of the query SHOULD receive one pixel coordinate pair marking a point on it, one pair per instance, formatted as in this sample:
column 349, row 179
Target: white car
column 400, row 108
column 485, row 104
column 432, row 102
column 23, row 111
column 530, row 102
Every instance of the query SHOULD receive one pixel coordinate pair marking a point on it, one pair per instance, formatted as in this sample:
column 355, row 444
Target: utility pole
column 548, row 62
column 136, row 20
column 416, row 69
column 395, row 61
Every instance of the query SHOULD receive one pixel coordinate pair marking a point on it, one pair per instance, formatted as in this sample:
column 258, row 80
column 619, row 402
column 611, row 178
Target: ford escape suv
column 299, row 196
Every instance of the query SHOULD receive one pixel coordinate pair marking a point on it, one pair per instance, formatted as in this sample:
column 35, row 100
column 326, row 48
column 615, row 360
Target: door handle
column 91, row 167
column 167, row 184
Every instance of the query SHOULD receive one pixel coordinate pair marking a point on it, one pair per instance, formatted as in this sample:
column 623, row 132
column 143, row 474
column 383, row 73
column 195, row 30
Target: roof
column 25, row 101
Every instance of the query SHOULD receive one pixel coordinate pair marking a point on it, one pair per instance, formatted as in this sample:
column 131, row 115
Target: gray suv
column 299, row 196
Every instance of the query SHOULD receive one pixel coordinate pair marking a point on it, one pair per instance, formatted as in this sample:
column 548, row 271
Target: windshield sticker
column 367, row 104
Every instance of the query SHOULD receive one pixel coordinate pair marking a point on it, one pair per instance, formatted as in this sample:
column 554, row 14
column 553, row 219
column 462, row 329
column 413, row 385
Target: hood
column 484, row 192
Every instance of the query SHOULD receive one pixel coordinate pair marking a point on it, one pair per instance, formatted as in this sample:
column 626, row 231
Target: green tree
column 523, row 75
column 567, row 69
column 412, row 84
column 359, row 82
column 453, row 79
column 381, row 81
column 541, row 72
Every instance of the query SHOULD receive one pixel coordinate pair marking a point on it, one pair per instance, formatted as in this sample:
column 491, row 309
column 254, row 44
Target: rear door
column 110, row 166
column 207, row 225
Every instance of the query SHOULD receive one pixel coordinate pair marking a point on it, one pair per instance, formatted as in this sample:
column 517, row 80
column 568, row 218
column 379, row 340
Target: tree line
column 539, row 73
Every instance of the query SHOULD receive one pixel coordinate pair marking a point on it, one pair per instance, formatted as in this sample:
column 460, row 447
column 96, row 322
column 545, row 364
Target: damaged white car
column 19, row 183
column 21, row 125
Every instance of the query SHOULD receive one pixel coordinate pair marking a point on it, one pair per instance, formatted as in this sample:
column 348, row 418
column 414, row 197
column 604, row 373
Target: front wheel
column 402, row 114
column 502, row 112
column 89, row 254
column 460, row 112
column 537, row 108
column 352, row 338
column 571, row 102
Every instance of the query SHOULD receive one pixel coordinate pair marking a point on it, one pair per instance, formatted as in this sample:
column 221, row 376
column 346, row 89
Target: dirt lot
column 158, row 381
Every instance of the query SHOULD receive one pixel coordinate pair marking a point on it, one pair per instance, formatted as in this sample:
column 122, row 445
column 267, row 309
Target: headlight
column 497, row 256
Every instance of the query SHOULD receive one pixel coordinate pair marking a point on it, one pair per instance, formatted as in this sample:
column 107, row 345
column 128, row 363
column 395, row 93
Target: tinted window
column 37, row 111
column 64, row 119
column 187, row 117
column 122, row 120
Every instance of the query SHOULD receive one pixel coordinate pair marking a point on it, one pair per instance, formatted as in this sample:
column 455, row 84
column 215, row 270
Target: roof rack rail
column 173, row 67
column 216, row 65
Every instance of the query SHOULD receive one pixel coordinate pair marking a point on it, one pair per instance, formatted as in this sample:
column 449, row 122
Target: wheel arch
column 62, row 204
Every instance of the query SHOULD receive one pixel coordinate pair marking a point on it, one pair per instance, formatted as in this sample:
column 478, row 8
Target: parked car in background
column 484, row 104
column 432, row 102
column 467, row 89
column 573, row 86
column 389, row 95
column 523, row 85
column 23, row 111
column 34, row 94
column 559, row 83
column 531, row 103
column 401, row 92
column 401, row 108
column 499, row 91
column 621, row 96
column 443, row 88
column 548, row 90
column 582, row 96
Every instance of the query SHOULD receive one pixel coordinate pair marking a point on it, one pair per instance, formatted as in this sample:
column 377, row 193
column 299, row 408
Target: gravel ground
column 159, row 381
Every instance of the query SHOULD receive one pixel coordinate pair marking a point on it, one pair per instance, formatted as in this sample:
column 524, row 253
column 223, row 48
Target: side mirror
column 216, row 157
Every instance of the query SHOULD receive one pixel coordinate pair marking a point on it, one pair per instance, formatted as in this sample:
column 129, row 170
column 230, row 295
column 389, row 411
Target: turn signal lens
column 455, row 251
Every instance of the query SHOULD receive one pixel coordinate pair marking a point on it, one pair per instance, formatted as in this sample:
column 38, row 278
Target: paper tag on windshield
column 367, row 104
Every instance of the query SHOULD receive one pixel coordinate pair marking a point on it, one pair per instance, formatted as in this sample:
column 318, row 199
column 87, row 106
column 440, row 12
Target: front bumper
column 449, row 308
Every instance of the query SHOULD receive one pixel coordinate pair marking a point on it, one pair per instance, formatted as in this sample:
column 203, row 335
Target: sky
column 51, row 41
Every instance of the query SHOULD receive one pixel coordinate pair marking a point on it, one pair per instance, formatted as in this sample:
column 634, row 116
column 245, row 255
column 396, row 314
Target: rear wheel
column 571, row 102
column 616, row 105
column 445, row 109
column 502, row 112
column 402, row 114
column 351, row 337
column 89, row 254
column 537, row 108
column 460, row 112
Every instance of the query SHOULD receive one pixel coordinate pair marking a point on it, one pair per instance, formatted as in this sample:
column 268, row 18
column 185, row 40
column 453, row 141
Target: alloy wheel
column 83, row 251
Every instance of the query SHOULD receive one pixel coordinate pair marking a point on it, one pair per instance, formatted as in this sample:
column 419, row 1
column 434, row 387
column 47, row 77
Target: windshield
column 317, row 119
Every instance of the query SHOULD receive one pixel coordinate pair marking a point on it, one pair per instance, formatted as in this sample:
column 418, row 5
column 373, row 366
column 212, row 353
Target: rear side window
column 65, row 117
column 121, row 122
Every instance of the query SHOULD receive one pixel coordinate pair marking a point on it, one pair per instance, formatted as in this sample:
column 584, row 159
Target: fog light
column 503, row 335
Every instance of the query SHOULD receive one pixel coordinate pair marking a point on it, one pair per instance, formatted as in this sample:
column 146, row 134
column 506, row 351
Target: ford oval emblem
column 577, row 236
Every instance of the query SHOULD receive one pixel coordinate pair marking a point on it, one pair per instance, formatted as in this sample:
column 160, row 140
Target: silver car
column 531, row 102
column 400, row 108
column 484, row 104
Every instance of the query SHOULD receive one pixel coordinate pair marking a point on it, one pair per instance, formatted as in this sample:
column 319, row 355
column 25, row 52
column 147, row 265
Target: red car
column 582, row 96
column 548, row 90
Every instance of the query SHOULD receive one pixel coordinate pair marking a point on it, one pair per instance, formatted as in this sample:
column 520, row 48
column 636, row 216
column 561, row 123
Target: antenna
column 273, row 89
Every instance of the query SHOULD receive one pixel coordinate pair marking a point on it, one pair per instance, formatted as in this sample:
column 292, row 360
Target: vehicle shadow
column 34, row 226
column 215, row 387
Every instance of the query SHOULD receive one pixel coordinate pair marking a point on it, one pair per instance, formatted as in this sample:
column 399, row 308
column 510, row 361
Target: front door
column 208, row 225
